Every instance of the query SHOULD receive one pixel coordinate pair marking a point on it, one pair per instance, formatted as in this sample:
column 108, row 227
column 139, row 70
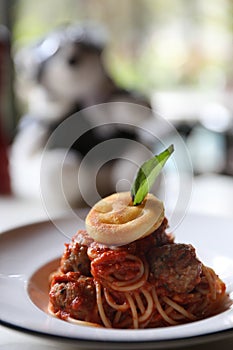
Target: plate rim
column 157, row 344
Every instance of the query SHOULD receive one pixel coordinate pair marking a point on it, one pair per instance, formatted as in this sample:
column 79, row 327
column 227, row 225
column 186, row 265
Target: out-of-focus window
column 178, row 52
column 154, row 44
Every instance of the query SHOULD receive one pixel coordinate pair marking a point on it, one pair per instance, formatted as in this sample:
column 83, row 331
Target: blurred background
column 178, row 53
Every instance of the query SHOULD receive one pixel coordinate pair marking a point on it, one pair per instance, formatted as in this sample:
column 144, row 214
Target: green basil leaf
column 147, row 175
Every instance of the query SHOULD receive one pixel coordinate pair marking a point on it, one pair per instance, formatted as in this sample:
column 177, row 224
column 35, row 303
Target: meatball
column 73, row 295
column 158, row 238
column 175, row 267
column 83, row 238
column 75, row 256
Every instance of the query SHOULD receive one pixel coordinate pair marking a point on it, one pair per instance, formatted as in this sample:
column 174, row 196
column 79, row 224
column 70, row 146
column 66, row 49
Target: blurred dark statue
column 62, row 74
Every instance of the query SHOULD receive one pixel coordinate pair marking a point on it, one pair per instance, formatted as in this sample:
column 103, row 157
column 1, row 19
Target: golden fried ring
column 115, row 221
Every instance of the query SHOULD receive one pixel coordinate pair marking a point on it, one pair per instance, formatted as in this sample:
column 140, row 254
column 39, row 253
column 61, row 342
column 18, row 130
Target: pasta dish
column 125, row 270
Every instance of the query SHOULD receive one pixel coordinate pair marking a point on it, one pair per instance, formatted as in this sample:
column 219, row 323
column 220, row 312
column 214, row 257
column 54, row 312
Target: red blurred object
column 5, row 187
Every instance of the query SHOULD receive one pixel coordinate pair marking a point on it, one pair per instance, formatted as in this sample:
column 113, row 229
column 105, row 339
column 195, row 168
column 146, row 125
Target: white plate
column 27, row 256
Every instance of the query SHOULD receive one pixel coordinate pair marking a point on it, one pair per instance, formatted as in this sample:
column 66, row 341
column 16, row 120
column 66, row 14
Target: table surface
column 211, row 195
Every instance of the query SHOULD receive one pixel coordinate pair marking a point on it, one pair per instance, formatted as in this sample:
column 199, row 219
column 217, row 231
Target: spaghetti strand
column 160, row 309
column 104, row 319
column 180, row 309
column 133, row 310
column 149, row 308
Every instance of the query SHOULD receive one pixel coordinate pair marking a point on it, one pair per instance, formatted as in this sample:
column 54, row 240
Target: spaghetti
column 150, row 282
